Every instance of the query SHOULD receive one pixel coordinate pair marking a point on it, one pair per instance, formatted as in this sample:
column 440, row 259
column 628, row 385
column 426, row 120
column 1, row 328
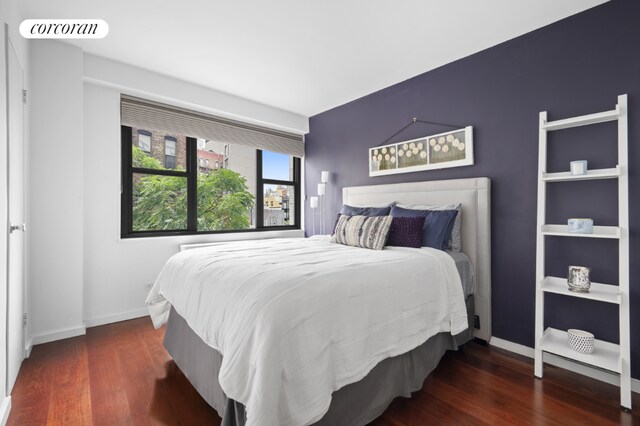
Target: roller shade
column 149, row 115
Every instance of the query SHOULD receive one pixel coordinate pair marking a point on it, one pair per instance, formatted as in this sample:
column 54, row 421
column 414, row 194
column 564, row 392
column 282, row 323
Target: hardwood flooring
column 120, row 374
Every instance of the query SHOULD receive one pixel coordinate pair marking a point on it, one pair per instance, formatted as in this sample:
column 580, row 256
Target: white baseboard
column 79, row 331
column 557, row 361
column 66, row 333
column 5, row 408
column 27, row 348
column 123, row 316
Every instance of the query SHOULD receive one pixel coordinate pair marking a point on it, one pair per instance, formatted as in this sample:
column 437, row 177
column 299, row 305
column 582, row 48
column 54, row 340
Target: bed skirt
column 355, row 404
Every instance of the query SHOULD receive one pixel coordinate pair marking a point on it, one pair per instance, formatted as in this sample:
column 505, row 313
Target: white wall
column 55, row 191
column 115, row 271
column 12, row 15
column 104, row 277
column 137, row 81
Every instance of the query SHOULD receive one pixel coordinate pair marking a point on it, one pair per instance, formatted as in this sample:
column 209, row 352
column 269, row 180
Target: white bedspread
column 296, row 319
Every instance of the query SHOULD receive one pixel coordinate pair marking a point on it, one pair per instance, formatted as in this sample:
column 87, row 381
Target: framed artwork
column 449, row 149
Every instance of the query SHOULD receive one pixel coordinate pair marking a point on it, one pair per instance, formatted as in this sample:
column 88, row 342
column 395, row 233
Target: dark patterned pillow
column 406, row 232
column 362, row 231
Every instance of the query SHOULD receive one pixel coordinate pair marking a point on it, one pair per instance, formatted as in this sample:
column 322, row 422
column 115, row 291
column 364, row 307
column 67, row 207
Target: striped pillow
column 362, row 231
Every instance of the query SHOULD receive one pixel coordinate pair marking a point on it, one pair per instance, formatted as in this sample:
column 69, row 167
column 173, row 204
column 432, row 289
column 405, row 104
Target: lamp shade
column 313, row 202
column 324, row 176
column 321, row 189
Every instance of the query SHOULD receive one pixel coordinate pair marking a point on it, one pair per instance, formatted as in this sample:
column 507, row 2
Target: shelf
column 606, row 355
column 583, row 120
column 591, row 175
column 598, row 232
column 602, row 292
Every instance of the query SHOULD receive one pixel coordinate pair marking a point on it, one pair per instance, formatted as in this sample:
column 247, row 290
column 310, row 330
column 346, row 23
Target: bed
column 337, row 342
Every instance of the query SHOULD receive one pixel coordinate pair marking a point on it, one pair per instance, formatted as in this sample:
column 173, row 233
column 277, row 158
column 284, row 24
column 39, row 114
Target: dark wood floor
column 120, row 374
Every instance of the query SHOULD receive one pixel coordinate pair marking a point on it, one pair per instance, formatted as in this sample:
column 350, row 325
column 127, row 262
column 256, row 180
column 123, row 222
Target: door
column 15, row 303
column 4, row 211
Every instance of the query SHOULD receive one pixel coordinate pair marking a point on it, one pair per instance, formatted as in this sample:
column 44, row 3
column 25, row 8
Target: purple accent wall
column 576, row 66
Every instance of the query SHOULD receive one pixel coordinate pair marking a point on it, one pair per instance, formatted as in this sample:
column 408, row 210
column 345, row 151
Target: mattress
column 465, row 269
column 355, row 404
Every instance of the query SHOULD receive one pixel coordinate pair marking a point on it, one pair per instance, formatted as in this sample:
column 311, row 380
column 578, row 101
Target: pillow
column 406, row 232
column 381, row 210
column 437, row 227
column 362, row 231
column 333, row 230
column 455, row 243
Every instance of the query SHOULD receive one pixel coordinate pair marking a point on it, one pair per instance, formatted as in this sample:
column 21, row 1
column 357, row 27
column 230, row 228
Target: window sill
column 203, row 239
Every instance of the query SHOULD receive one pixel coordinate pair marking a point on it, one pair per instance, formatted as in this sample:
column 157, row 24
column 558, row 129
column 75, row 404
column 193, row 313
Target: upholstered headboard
column 475, row 196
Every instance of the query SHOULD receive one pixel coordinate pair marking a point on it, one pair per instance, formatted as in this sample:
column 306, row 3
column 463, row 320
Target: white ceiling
column 302, row 56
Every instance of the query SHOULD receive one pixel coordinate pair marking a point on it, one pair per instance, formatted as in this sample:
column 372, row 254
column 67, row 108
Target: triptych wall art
column 450, row 149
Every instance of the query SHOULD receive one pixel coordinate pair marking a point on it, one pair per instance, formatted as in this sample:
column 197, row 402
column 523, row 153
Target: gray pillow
column 383, row 210
column 362, row 231
column 455, row 243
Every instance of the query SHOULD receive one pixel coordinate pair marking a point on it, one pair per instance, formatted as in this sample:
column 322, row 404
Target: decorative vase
column 578, row 279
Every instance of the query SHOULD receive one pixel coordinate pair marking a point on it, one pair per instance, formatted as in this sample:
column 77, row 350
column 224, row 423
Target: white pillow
column 455, row 243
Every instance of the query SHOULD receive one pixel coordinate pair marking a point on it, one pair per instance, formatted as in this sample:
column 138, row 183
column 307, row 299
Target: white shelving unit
column 608, row 356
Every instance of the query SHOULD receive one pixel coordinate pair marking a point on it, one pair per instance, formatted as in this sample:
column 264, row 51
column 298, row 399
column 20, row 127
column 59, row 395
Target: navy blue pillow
column 406, row 232
column 437, row 228
column 365, row 211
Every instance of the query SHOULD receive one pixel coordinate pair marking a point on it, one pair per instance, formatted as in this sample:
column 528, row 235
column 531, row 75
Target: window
column 169, row 152
column 144, row 140
column 208, row 175
column 278, row 189
column 171, row 157
column 171, row 196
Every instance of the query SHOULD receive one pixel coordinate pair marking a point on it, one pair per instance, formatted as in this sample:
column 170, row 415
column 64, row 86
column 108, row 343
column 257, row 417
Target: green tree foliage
column 160, row 202
column 142, row 160
column 224, row 201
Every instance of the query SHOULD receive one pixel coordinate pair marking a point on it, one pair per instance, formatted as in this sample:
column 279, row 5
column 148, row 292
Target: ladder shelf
column 608, row 356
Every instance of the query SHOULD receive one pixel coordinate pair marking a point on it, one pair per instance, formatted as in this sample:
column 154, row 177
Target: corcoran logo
column 64, row 28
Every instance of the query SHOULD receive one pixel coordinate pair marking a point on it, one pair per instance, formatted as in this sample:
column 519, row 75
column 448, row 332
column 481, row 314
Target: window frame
column 191, row 174
column 261, row 182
